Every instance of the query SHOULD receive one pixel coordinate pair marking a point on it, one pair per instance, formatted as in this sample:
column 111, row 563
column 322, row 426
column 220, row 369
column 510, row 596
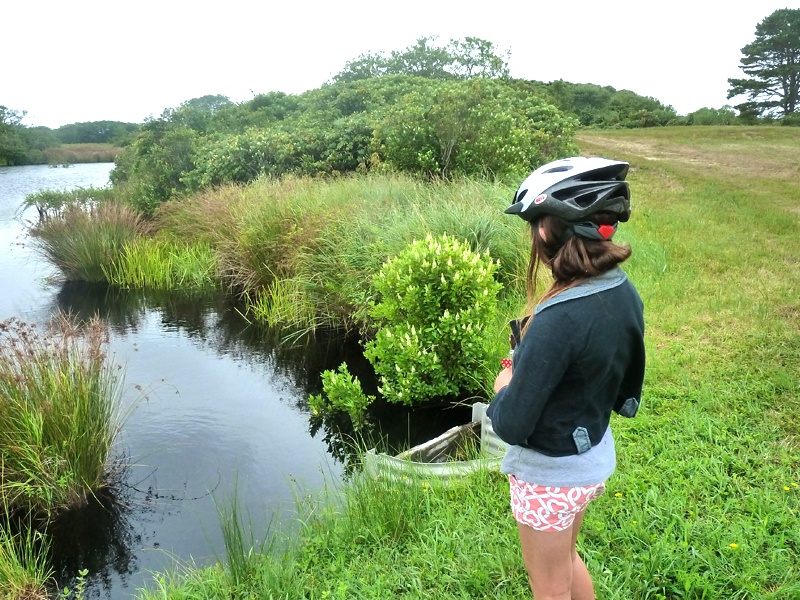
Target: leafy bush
column 408, row 123
column 341, row 391
column 156, row 163
column 712, row 116
column 478, row 127
column 436, row 299
column 241, row 158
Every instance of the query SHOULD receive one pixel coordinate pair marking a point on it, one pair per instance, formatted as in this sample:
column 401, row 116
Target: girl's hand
column 503, row 378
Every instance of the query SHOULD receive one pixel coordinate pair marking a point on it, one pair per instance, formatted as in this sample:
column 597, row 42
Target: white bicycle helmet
column 574, row 188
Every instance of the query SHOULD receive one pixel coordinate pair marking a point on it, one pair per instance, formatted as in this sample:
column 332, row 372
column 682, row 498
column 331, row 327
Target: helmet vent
column 559, row 169
column 586, row 200
column 520, row 196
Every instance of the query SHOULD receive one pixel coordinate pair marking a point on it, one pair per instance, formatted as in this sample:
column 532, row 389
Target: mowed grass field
column 706, row 499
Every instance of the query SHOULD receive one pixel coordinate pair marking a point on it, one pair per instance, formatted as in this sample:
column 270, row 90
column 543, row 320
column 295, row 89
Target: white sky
column 92, row 60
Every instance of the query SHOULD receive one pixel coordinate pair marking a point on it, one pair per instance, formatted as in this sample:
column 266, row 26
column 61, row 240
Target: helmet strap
column 590, row 231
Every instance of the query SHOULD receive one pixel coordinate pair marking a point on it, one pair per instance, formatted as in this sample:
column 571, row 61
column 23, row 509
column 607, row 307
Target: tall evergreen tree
column 772, row 64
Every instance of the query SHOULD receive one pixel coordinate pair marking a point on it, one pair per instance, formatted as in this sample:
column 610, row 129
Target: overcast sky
column 92, row 60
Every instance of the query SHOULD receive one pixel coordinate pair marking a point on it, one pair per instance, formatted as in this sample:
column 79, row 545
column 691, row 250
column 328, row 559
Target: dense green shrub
column 408, row 123
column 477, row 127
column 436, row 300
column 20, row 144
column 241, row 158
column 156, row 163
column 97, row 132
column 341, row 391
column 712, row 116
column 602, row 106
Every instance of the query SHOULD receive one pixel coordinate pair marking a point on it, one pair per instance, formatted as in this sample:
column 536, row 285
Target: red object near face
column 606, row 231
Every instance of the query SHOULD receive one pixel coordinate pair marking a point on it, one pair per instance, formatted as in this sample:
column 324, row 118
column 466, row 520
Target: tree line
column 24, row 145
column 436, row 109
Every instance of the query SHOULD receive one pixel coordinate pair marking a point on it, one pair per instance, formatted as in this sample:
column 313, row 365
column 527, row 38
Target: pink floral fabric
column 550, row 508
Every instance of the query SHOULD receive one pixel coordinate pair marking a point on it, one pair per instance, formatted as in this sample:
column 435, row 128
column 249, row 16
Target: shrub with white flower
column 341, row 392
column 436, row 301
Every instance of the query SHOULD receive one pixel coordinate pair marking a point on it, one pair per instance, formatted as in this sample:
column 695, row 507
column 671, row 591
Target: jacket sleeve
column 540, row 361
column 630, row 392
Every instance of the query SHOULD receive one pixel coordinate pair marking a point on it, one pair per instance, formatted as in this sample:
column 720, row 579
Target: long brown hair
column 570, row 258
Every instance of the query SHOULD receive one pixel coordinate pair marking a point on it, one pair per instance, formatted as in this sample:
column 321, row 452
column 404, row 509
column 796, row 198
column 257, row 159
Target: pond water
column 216, row 407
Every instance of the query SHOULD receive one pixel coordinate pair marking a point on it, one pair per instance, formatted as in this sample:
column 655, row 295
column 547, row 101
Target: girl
column 581, row 355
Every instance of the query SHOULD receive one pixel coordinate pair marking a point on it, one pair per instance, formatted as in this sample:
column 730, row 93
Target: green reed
column 59, row 415
column 155, row 263
column 24, row 563
column 84, row 240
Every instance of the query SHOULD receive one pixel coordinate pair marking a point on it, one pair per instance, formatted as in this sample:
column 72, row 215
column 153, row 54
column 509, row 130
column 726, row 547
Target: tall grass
column 82, row 153
column 155, row 263
column 59, row 403
column 24, row 568
column 85, row 241
column 304, row 251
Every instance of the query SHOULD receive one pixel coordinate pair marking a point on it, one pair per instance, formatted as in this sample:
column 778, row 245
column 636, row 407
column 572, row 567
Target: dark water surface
column 214, row 407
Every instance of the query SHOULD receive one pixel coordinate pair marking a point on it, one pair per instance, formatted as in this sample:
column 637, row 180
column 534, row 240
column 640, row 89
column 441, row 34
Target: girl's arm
column 540, row 361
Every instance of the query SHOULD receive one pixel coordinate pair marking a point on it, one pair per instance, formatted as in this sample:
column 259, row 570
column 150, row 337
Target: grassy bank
column 706, row 499
column 68, row 154
column 303, row 252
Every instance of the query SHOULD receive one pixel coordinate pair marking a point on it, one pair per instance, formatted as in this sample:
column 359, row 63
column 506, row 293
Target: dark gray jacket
column 582, row 357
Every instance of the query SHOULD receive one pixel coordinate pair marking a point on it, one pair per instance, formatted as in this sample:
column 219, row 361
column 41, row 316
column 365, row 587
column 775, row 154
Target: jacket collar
column 593, row 285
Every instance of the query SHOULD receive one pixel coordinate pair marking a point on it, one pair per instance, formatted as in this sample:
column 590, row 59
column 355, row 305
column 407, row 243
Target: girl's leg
column 555, row 570
column 582, row 586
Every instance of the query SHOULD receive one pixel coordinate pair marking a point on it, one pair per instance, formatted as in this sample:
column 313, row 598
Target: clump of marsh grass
column 286, row 302
column 24, row 568
column 59, row 402
column 163, row 264
column 83, row 240
column 82, row 153
column 243, row 552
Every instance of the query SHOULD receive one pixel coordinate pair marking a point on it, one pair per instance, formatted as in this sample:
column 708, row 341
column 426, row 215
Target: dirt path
column 768, row 157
